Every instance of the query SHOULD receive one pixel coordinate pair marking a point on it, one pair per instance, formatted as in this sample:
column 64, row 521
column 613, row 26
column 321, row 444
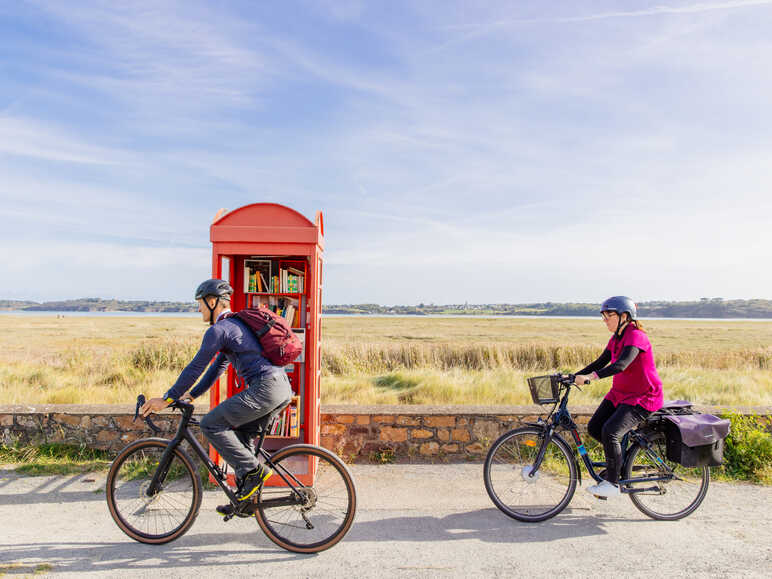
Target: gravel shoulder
column 412, row 521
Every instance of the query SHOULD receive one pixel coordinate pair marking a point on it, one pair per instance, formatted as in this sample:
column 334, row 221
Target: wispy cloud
column 30, row 138
column 497, row 167
column 697, row 8
column 184, row 59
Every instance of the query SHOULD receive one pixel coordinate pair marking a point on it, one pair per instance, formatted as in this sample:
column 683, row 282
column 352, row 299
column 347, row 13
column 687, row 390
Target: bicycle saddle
column 673, row 407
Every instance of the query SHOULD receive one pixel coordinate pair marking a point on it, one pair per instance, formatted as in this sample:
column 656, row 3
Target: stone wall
column 357, row 433
column 107, row 427
column 384, row 433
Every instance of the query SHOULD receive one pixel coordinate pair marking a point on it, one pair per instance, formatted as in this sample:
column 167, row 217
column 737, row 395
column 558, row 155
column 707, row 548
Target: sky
column 481, row 152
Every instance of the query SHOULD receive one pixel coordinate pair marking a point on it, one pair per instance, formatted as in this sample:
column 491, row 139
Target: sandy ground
column 412, row 521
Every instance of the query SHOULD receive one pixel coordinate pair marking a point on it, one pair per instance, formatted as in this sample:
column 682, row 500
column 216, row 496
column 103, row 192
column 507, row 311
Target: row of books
column 286, row 424
column 291, row 281
column 267, row 276
column 257, row 283
column 284, row 307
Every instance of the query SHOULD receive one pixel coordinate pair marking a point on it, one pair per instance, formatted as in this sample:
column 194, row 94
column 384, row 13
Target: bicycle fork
column 156, row 483
column 549, row 431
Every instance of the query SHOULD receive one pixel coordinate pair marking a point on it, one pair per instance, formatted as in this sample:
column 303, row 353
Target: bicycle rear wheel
column 320, row 514
column 507, row 475
column 164, row 516
column 670, row 499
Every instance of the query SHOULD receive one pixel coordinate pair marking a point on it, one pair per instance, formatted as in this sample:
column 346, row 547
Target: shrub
column 748, row 449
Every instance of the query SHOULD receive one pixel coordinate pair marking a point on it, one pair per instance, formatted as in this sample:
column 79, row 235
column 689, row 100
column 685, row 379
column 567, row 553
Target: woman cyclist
column 636, row 390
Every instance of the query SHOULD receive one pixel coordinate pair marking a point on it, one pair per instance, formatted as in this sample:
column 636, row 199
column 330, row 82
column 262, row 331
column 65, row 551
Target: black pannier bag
column 695, row 440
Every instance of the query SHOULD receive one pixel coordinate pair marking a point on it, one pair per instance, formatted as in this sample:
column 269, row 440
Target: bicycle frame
column 184, row 433
column 563, row 419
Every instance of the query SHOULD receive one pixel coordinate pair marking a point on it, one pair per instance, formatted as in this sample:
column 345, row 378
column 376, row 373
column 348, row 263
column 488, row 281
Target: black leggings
column 608, row 425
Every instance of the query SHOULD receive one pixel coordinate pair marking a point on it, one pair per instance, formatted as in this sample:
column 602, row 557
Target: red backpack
column 280, row 344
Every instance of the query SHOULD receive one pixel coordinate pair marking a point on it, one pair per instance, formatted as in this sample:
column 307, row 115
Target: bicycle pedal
column 227, row 518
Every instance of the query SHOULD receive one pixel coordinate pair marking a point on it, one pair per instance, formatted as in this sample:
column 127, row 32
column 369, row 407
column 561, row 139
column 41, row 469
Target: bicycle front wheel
column 317, row 510
column 167, row 514
column 508, row 479
column 673, row 497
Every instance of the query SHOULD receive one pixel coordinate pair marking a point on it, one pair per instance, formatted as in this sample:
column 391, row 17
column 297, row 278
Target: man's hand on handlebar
column 153, row 405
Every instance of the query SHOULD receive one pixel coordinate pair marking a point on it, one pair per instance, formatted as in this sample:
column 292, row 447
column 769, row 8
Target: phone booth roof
column 240, row 230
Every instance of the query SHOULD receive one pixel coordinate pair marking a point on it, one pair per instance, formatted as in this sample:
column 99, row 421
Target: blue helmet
column 620, row 305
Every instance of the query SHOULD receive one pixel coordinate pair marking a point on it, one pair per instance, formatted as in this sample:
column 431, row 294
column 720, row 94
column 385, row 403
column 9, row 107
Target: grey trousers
column 248, row 405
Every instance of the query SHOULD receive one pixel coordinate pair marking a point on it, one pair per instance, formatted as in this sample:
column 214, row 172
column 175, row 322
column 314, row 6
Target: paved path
column 412, row 521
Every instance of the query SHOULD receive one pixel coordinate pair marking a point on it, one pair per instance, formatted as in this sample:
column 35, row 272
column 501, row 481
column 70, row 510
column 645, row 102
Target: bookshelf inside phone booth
column 272, row 256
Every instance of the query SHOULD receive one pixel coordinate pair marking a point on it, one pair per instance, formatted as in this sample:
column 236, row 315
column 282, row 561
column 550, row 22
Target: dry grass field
column 414, row 360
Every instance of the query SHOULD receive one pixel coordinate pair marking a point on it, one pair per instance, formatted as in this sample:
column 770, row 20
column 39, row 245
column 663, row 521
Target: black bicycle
column 531, row 472
column 154, row 490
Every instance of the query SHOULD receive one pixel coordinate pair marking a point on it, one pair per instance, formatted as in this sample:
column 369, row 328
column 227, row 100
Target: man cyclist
column 268, row 387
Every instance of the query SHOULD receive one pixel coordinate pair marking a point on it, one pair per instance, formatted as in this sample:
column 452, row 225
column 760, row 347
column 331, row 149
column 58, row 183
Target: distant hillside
column 98, row 305
column 703, row 308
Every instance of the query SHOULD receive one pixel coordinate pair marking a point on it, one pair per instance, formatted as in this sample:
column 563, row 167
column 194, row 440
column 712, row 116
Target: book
column 293, row 421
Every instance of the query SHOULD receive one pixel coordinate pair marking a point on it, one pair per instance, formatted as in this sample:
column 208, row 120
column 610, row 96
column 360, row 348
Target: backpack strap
column 265, row 329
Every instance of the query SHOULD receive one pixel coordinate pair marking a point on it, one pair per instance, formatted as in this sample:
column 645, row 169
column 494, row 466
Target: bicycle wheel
column 164, row 516
column 322, row 513
column 665, row 500
column 529, row 498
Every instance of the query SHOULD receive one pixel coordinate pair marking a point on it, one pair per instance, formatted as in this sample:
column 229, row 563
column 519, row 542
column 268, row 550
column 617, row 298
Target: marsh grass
column 47, row 459
column 384, row 360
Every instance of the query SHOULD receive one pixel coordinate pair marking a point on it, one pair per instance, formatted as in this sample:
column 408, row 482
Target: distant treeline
column 98, row 305
column 702, row 308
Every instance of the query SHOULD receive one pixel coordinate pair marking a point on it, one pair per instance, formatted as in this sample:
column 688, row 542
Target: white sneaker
column 604, row 489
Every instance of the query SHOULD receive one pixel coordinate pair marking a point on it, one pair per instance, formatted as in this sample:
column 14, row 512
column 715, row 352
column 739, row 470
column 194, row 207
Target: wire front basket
column 545, row 389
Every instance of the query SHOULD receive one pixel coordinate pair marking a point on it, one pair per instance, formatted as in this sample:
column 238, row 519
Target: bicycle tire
column 507, row 479
column 673, row 499
column 330, row 503
column 170, row 513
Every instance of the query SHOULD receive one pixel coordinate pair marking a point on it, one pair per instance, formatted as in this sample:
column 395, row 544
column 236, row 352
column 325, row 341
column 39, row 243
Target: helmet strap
column 212, row 309
column 620, row 324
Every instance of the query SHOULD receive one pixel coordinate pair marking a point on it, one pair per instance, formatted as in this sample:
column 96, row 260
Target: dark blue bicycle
column 531, row 472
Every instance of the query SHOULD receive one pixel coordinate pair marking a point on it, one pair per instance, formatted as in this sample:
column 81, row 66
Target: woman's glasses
column 608, row 315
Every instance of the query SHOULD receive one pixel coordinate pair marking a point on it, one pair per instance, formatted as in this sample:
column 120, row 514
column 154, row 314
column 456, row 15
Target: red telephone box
column 272, row 256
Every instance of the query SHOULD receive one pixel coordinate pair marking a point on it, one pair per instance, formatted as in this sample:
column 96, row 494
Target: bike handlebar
column 570, row 380
column 140, row 403
column 185, row 407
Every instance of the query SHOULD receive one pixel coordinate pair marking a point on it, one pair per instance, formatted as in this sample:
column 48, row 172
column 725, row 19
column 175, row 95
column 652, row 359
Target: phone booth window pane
column 225, row 268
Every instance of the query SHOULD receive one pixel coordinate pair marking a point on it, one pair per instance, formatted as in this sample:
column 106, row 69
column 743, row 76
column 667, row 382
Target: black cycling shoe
column 246, row 511
column 252, row 482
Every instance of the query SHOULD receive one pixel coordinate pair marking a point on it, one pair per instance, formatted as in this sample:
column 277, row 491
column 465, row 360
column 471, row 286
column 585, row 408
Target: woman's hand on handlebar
column 153, row 405
column 581, row 379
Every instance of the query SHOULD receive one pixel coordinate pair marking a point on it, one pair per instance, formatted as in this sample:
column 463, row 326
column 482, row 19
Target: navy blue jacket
column 236, row 345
